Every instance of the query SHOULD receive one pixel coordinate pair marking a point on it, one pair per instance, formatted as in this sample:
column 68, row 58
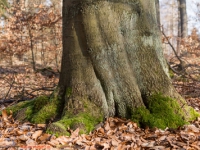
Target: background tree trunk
column 179, row 29
column 158, row 11
column 183, row 18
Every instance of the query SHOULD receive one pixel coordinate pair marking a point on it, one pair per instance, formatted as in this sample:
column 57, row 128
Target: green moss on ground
column 162, row 112
column 46, row 109
column 85, row 120
column 21, row 111
column 39, row 110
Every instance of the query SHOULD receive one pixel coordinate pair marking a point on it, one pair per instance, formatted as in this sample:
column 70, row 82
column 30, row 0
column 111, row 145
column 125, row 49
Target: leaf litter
column 113, row 134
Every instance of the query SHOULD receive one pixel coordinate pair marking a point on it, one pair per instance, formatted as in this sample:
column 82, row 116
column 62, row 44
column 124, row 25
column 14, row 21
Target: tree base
column 45, row 110
column 161, row 112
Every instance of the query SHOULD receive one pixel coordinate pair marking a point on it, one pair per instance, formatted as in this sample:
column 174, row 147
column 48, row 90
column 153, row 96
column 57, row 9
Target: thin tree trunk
column 171, row 22
column 32, row 50
column 179, row 29
column 158, row 11
column 183, row 19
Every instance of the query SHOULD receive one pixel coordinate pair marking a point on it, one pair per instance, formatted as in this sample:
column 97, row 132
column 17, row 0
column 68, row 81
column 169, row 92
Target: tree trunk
column 112, row 54
column 183, row 18
column 158, row 11
column 179, row 29
column 112, row 58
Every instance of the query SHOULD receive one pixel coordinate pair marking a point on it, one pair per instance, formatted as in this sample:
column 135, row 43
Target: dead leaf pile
column 114, row 134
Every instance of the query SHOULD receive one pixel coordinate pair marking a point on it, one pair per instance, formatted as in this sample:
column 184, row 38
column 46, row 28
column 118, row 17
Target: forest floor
column 20, row 83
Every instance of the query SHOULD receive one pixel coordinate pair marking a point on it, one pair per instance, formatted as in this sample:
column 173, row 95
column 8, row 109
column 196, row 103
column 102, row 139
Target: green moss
column 162, row 112
column 57, row 129
column 29, row 112
column 68, row 92
column 39, row 110
column 171, row 73
column 21, row 110
column 193, row 114
column 40, row 102
column 85, row 120
column 48, row 111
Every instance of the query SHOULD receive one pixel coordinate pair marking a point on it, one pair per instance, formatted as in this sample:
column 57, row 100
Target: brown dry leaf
column 6, row 144
column 53, row 142
column 122, row 146
column 92, row 147
column 158, row 148
column 37, row 134
column 31, row 142
column 101, row 131
column 126, row 136
column 107, row 126
column 123, row 128
column 80, row 143
column 148, row 144
column 44, row 137
column 181, row 144
column 41, row 125
column 65, row 138
column 114, row 142
column 192, row 128
column 195, row 146
column 87, row 137
column 23, row 137
column 75, row 133
column 19, row 132
column 25, row 127
column 4, row 115
column 112, row 124
column 162, row 138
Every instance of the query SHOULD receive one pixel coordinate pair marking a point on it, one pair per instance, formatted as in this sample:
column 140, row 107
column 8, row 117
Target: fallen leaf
column 37, row 134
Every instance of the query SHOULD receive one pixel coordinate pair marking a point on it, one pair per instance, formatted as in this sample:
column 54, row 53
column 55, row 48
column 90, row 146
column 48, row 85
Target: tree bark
column 112, row 56
column 183, row 18
column 179, row 29
column 158, row 11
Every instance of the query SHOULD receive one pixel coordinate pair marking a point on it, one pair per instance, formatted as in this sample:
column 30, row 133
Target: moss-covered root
column 40, row 110
column 85, row 120
column 162, row 112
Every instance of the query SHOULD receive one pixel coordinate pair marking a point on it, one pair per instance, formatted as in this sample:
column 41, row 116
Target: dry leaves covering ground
column 114, row 134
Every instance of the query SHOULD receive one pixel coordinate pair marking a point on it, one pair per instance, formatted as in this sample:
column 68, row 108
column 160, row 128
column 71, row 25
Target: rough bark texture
column 112, row 56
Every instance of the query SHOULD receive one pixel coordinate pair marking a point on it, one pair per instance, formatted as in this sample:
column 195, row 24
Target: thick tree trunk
column 112, row 56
